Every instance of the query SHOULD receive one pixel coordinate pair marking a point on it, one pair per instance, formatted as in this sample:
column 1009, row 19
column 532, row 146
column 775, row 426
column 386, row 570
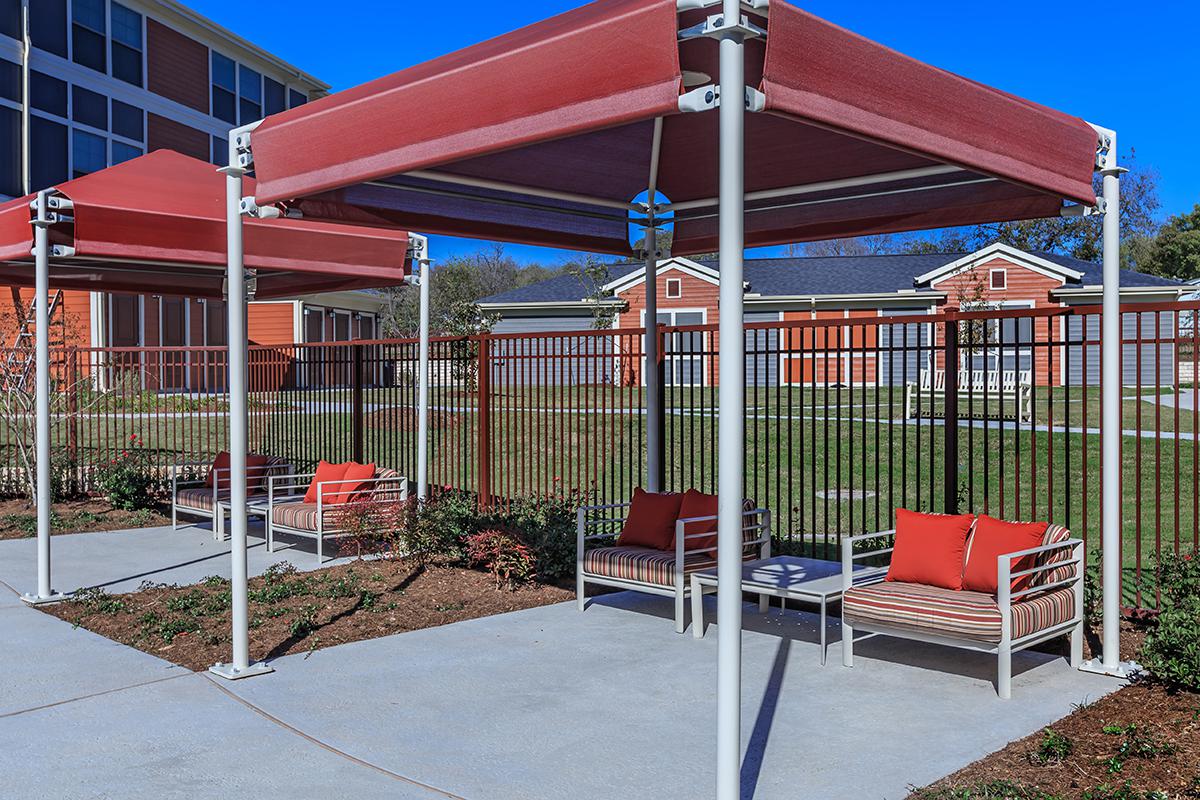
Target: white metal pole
column 654, row 432
column 731, row 417
column 41, row 249
column 26, row 47
column 423, row 386
column 1110, row 414
column 235, row 293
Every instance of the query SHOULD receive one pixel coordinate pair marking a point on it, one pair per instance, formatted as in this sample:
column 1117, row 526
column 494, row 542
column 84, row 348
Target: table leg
column 822, row 630
column 697, row 609
column 764, row 603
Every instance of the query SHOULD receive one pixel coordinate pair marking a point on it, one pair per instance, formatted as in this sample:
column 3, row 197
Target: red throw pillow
column 256, row 474
column 326, row 472
column 929, row 548
column 993, row 538
column 361, row 474
column 220, row 464
column 651, row 520
column 697, row 504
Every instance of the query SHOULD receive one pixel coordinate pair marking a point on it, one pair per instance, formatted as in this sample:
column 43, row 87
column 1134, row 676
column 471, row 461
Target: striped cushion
column 199, row 499
column 1054, row 534
column 641, row 564
column 950, row 613
column 302, row 516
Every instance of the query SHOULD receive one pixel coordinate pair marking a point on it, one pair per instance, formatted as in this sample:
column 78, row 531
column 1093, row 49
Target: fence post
column 950, row 414
column 356, row 403
column 483, row 384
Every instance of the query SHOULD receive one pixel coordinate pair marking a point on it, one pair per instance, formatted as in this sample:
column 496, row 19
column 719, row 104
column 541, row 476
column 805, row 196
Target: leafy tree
column 1175, row 252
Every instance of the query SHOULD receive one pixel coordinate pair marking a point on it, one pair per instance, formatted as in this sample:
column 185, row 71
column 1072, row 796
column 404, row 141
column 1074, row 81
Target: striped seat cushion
column 1054, row 534
column 955, row 614
column 198, row 499
column 641, row 564
column 303, row 516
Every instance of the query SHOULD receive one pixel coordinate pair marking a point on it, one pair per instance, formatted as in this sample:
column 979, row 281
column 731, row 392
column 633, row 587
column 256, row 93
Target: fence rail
column 847, row 417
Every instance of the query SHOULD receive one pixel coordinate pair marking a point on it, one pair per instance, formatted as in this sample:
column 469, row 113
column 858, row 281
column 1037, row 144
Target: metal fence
column 847, row 418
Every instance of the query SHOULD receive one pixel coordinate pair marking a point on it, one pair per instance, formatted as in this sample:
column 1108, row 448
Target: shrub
column 547, row 523
column 1053, row 749
column 128, row 481
column 1171, row 652
column 503, row 554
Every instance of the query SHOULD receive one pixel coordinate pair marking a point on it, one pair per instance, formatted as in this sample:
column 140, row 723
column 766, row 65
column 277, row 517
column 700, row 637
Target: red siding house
column 844, row 287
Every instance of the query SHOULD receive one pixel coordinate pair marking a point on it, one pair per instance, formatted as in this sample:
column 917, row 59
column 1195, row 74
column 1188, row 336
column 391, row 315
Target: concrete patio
column 534, row 704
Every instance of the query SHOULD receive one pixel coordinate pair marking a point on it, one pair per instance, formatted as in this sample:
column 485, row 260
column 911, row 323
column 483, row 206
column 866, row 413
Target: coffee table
column 256, row 505
column 809, row 580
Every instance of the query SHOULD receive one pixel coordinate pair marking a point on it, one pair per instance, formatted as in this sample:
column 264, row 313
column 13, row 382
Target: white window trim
column 678, row 282
column 702, row 358
column 992, row 287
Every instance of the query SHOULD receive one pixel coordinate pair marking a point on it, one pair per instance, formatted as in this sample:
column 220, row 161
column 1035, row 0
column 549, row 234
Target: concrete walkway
column 544, row 703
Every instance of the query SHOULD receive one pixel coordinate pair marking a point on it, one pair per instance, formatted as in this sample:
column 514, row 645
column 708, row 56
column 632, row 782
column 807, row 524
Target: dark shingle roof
column 819, row 275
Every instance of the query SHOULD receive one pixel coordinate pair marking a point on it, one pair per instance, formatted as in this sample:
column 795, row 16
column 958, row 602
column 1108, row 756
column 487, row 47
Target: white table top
column 808, row 576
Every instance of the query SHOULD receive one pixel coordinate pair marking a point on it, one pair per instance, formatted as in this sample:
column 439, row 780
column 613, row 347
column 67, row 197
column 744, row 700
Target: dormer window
column 998, row 279
column 674, row 288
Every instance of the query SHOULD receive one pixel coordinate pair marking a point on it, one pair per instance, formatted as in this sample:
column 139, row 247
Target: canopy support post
column 421, row 253
column 652, row 371
column 1110, row 413
column 235, row 291
column 41, row 253
column 732, row 399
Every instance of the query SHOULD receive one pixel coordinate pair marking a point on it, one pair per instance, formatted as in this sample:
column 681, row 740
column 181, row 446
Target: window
column 999, row 279
column 88, row 31
column 48, row 27
column 124, row 152
column 48, row 153
column 674, row 288
column 220, row 151
column 47, row 93
column 296, row 98
column 89, row 153
column 10, row 80
column 128, row 121
column 126, row 44
column 224, row 88
column 274, row 97
column 89, row 108
column 250, row 90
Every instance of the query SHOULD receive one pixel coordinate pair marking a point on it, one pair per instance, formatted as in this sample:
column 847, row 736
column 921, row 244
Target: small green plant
column 305, row 623
column 1054, row 748
column 1136, row 742
column 98, row 601
column 1171, row 652
column 1123, row 792
column 128, row 480
column 991, row 790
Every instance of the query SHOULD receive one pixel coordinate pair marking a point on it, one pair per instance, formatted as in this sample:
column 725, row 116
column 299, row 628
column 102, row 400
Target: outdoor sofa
column 654, row 570
column 200, row 497
column 312, row 506
column 1047, row 603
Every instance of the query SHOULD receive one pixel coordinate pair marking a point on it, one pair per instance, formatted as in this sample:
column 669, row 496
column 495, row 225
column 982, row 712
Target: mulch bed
column 18, row 520
column 1139, row 743
column 297, row 612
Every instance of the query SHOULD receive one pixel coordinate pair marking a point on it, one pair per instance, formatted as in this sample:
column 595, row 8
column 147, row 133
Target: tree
column 1175, row 252
column 456, row 281
column 857, row 246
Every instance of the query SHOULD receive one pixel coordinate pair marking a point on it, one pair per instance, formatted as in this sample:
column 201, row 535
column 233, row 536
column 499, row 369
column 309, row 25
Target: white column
column 1110, row 415
column 654, row 399
column 235, row 292
column 731, row 418
column 41, row 302
column 423, row 385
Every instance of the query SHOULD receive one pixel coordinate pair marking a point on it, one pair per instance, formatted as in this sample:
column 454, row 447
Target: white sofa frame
column 758, row 521
column 1011, row 385
column 288, row 489
column 1004, row 599
column 216, row 513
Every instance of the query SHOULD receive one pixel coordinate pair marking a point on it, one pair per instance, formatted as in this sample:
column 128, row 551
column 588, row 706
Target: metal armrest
column 849, row 576
column 1005, row 575
column 762, row 524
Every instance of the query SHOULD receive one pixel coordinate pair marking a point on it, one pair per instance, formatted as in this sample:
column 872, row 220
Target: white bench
column 1011, row 385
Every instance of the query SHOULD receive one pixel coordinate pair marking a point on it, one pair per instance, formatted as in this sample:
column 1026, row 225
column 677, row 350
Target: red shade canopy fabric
column 545, row 134
column 157, row 224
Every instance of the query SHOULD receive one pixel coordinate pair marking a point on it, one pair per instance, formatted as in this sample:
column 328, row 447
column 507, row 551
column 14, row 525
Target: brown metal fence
column 847, row 418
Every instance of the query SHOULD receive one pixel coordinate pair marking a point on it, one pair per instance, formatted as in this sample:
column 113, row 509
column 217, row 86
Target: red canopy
column 545, row 134
column 157, row 224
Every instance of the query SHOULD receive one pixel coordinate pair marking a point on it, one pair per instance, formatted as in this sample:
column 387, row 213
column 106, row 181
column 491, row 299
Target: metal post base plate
column 1124, row 669
column 231, row 673
column 34, row 600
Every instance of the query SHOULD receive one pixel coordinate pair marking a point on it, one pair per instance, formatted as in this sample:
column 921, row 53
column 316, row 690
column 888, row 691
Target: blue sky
column 1127, row 66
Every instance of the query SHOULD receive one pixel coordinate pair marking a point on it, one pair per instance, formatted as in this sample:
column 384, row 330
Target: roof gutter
column 1096, row 290
column 564, row 305
column 841, row 298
